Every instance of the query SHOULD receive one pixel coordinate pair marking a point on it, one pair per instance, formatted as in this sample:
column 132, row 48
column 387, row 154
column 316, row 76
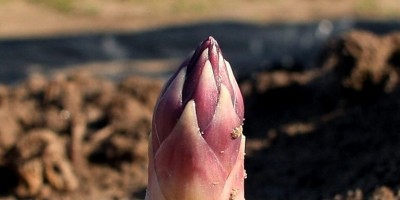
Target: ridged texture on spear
column 197, row 147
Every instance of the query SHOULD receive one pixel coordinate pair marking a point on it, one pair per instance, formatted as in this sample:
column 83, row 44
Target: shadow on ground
column 248, row 47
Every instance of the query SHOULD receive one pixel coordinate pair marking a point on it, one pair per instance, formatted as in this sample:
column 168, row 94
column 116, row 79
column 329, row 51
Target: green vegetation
column 375, row 7
column 60, row 5
column 189, row 6
column 67, row 6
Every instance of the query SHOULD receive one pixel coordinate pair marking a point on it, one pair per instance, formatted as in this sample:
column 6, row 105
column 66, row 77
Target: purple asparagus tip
column 197, row 145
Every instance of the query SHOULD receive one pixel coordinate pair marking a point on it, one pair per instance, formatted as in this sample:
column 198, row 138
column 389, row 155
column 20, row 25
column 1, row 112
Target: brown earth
column 75, row 137
column 326, row 133
column 319, row 133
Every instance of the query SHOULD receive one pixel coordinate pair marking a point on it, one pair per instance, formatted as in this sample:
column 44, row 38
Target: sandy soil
column 326, row 133
column 27, row 18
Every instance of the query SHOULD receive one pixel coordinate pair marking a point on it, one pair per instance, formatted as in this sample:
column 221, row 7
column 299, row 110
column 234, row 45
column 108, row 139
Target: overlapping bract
column 197, row 146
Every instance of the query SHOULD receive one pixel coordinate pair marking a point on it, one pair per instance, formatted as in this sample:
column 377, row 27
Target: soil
column 38, row 18
column 75, row 137
column 328, row 132
column 324, row 133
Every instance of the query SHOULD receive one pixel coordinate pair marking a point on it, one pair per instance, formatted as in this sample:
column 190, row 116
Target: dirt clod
column 59, row 133
column 237, row 132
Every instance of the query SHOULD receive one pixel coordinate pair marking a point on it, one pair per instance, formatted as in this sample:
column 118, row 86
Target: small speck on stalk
column 237, row 132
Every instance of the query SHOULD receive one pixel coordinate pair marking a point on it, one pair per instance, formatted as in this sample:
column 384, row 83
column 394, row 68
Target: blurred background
column 43, row 35
column 41, row 18
column 79, row 80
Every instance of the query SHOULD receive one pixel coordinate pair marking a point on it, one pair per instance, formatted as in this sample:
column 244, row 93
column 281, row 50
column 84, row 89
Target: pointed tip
column 213, row 51
column 209, row 43
column 211, row 38
column 212, row 41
